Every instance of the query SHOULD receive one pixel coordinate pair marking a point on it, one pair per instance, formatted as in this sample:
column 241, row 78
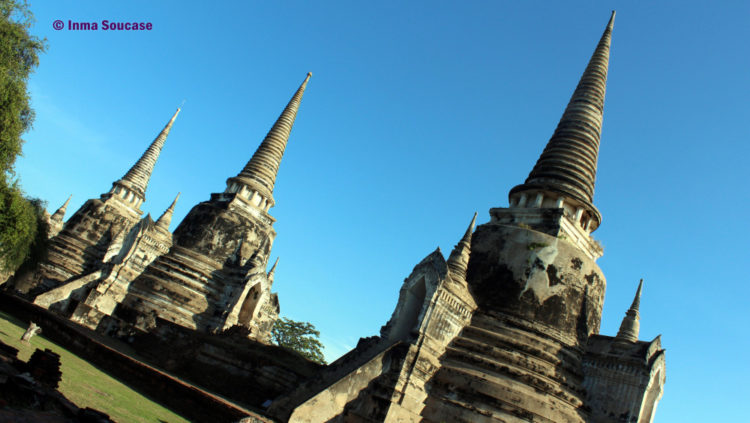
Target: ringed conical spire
column 458, row 261
column 567, row 166
column 136, row 180
column 631, row 323
column 259, row 174
column 59, row 215
column 166, row 218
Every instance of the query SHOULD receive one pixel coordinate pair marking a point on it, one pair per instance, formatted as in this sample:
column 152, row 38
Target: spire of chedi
column 631, row 323
column 56, row 220
column 59, row 215
column 166, row 218
column 257, row 179
column 566, row 170
column 272, row 271
column 458, row 261
column 136, row 180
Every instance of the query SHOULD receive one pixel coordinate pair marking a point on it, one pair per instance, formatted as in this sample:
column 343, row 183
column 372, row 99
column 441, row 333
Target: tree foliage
column 36, row 251
column 19, row 56
column 301, row 337
column 19, row 52
column 17, row 226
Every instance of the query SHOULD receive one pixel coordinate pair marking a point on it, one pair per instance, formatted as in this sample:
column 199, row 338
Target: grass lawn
column 84, row 384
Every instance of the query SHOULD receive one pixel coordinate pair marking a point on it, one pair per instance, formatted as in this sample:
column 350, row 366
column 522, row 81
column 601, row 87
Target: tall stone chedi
column 538, row 288
column 82, row 244
column 214, row 276
column 512, row 336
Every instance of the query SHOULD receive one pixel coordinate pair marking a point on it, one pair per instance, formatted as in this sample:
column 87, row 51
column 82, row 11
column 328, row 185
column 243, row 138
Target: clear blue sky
column 417, row 115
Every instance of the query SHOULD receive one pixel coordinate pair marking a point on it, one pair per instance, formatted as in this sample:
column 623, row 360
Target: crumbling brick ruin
column 505, row 330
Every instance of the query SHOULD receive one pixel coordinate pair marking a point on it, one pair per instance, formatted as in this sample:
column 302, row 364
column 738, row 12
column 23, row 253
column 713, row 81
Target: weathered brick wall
column 228, row 364
column 187, row 400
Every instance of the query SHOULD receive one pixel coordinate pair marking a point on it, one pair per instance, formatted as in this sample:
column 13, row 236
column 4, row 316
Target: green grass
column 86, row 385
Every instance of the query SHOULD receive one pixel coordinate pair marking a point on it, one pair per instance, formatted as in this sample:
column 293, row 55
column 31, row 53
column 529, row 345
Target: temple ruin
column 506, row 329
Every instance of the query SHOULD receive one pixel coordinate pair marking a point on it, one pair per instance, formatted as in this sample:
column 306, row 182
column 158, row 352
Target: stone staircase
column 495, row 371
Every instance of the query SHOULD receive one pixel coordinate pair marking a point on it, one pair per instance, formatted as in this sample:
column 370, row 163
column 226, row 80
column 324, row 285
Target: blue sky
column 417, row 115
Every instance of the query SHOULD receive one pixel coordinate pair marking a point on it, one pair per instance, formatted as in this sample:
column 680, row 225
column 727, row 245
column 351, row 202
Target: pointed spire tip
column 630, row 325
column 177, row 197
column 611, row 23
column 273, row 268
column 470, row 229
column 259, row 174
column 637, row 300
column 59, row 214
column 166, row 218
column 136, row 179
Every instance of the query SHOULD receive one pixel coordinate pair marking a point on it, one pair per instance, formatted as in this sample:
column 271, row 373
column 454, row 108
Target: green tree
column 301, row 337
column 22, row 225
column 19, row 52
column 37, row 244
column 19, row 56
